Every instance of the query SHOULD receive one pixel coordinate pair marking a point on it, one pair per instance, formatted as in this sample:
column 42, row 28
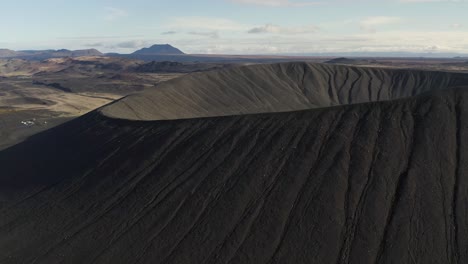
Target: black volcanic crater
column 284, row 163
column 280, row 87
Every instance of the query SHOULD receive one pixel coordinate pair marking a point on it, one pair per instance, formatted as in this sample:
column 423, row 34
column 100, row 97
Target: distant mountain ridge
column 167, row 52
column 46, row 54
column 6, row 53
column 159, row 49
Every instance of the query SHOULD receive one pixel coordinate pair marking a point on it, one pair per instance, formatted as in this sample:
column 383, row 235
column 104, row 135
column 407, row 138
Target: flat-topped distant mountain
column 157, row 49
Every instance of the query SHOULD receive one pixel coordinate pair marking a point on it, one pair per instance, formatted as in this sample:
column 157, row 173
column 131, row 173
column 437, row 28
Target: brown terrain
column 285, row 163
column 37, row 95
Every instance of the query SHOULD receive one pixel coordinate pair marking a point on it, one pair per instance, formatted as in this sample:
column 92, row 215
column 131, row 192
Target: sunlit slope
column 277, row 88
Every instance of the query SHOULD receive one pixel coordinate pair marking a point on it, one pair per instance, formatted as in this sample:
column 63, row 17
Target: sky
column 237, row 26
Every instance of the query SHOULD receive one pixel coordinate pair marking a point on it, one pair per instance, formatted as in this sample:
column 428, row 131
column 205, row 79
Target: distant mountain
column 4, row 53
column 47, row 54
column 66, row 53
column 342, row 60
column 157, row 49
column 86, row 52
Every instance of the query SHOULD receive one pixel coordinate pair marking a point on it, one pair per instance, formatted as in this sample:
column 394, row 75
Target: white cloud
column 225, row 36
column 131, row 44
column 323, row 42
column 113, row 13
column 274, row 29
column 171, row 32
column 212, row 34
column 277, row 3
column 93, row 45
column 433, row 48
column 370, row 24
column 302, row 3
column 432, row 1
column 417, row 41
column 205, row 23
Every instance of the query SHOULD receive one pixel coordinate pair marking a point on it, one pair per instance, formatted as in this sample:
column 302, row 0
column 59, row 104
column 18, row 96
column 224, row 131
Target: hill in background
column 47, row 54
column 157, row 49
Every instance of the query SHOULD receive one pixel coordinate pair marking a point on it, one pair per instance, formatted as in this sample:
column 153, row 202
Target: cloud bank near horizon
column 236, row 26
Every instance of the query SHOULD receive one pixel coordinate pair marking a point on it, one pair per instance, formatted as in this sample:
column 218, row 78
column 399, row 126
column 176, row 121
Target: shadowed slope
column 277, row 88
column 370, row 183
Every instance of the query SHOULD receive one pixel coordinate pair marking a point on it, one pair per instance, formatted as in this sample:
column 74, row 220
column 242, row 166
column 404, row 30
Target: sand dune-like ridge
column 277, row 88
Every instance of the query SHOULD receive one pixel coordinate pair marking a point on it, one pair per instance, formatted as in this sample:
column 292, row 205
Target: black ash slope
column 381, row 182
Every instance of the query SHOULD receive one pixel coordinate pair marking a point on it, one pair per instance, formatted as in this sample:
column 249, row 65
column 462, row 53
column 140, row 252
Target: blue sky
column 237, row 26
